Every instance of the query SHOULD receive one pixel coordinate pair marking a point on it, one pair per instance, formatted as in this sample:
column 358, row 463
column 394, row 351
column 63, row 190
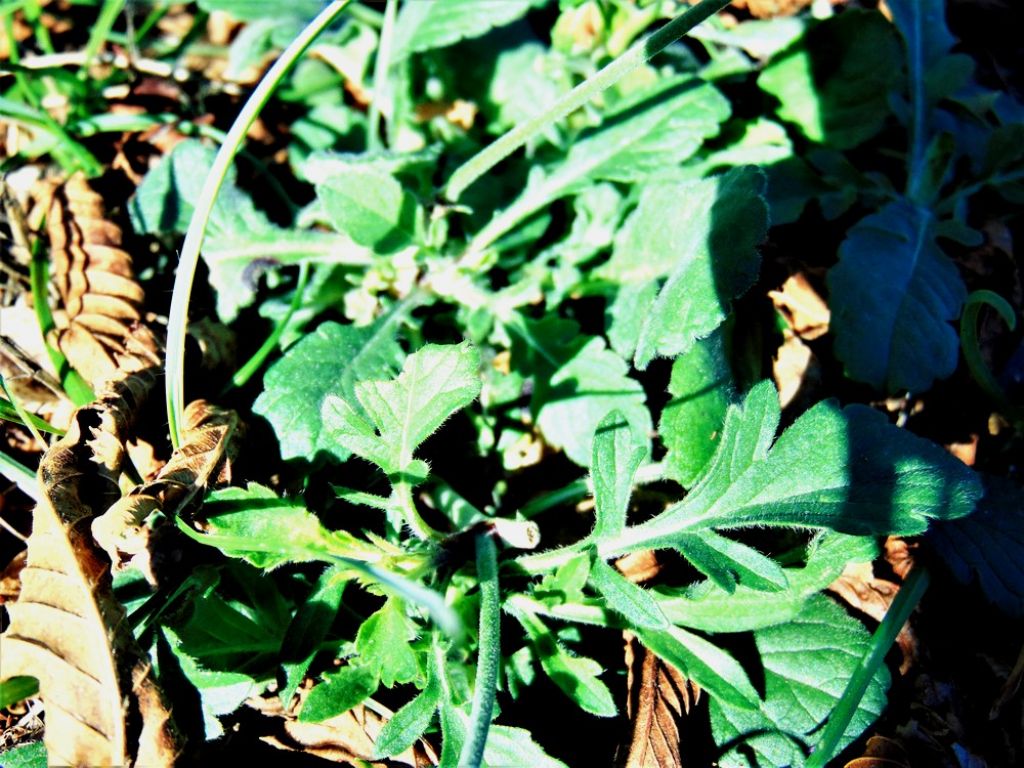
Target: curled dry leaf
column 67, row 630
column 660, row 696
column 210, row 442
column 881, row 752
column 103, row 334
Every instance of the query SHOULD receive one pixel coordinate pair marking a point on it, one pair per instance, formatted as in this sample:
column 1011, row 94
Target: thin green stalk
column 917, row 138
column 33, row 12
column 381, row 74
column 189, row 261
column 256, row 362
column 10, row 412
column 23, row 415
column 488, row 653
column 21, row 476
column 98, row 35
column 71, row 380
column 466, row 174
column 972, row 349
column 906, row 601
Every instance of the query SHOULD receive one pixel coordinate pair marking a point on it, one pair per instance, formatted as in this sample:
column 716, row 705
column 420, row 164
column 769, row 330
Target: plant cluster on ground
column 511, row 383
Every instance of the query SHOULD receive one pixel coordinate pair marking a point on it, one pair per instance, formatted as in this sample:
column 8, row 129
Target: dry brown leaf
column 881, row 752
column 210, row 442
column 861, row 589
column 804, row 310
column 660, row 696
column 67, row 630
column 10, row 578
column 347, row 738
column 102, row 331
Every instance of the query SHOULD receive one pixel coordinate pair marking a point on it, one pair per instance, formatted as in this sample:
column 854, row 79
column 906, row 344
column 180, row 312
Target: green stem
column 33, row 12
column 189, row 261
column 903, row 605
column 972, row 349
column 21, row 476
column 260, row 357
column 381, row 72
column 97, row 36
column 466, row 174
column 488, row 653
column 71, row 380
column 25, row 418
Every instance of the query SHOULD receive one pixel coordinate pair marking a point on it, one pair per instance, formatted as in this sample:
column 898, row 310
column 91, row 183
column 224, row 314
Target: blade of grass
column 21, row 476
column 488, row 653
column 71, row 380
column 25, row 417
column 470, row 171
column 903, row 605
column 189, row 260
column 381, row 72
column 256, row 362
column 98, row 35
column 8, row 412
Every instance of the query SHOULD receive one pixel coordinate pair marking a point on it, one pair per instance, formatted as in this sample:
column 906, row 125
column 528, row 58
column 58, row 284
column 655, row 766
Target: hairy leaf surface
column 894, row 296
column 807, row 663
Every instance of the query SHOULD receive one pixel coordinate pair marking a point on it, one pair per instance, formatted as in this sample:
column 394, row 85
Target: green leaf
column 428, row 24
column 258, row 526
column 14, row 689
column 727, row 562
column 922, row 23
column 894, row 295
column 371, row 207
column 568, row 580
column 409, row 723
column 577, row 676
column 454, row 725
column 523, row 86
column 308, row 628
column 238, row 235
column 328, row 361
column 625, row 597
column 701, row 388
column 26, row 756
column 383, row 645
column 251, row 10
column 706, row 664
column 989, row 545
column 645, row 134
column 338, row 693
column 834, row 83
column 701, row 235
column 807, row 663
column 704, row 236
column 435, row 382
column 508, row 746
column 577, row 382
column 626, row 313
column 844, row 469
column 617, row 456
column 711, row 608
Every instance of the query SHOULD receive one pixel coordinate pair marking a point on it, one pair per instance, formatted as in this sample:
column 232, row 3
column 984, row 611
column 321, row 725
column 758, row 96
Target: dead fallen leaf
column 899, row 553
column 861, row 589
column 347, row 738
column 102, row 331
column 639, row 567
column 966, row 452
column 660, row 696
column 795, row 370
column 10, row 578
column 67, row 630
column 210, row 442
column 881, row 752
column 802, row 307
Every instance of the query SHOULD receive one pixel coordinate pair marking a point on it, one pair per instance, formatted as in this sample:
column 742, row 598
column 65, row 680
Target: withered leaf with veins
column 67, row 630
column 660, row 697
column 209, row 444
column 102, row 332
